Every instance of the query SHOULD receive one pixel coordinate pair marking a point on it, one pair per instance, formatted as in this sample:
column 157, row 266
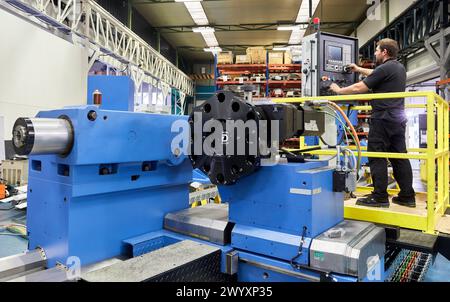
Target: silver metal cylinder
column 42, row 136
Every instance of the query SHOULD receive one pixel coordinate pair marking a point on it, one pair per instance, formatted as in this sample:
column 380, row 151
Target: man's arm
column 364, row 71
column 377, row 77
column 357, row 88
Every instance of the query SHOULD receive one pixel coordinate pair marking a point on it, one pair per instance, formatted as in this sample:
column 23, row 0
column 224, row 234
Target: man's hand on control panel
column 353, row 67
column 359, row 87
column 335, row 88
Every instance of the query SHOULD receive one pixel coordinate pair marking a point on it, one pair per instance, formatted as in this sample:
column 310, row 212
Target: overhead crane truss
column 105, row 35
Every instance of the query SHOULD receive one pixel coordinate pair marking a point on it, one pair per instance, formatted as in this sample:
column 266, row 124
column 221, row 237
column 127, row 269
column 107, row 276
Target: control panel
column 337, row 56
column 325, row 61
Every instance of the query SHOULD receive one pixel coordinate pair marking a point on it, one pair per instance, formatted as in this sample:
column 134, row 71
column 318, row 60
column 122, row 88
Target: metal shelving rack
column 251, row 69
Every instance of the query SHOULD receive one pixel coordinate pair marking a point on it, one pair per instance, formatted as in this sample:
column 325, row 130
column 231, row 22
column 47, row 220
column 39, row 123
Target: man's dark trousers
column 388, row 136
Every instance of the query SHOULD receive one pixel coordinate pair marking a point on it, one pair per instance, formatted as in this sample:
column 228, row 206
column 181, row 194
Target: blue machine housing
column 117, row 92
column 74, row 210
column 271, row 222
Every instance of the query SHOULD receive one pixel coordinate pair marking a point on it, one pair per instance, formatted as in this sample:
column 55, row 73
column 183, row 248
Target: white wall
column 38, row 70
column 396, row 7
column 2, row 139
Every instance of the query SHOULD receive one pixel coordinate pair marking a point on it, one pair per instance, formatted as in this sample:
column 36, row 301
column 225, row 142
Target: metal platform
column 415, row 240
column 208, row 222
column 350, row 248
column 19, row 265
column 185, row 261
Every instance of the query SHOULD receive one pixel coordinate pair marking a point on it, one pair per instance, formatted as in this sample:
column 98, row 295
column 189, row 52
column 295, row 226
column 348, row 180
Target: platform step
column 415, row 240
column 443, row 225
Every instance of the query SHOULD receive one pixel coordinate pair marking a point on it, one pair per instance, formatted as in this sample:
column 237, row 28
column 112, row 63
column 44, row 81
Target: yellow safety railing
column 436, row 157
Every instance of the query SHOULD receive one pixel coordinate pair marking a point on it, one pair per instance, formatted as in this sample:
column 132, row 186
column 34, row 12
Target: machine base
column 184, row 261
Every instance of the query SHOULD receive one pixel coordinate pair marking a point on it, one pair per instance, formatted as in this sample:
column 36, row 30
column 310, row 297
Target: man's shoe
column 371, row 201
column 404, row 202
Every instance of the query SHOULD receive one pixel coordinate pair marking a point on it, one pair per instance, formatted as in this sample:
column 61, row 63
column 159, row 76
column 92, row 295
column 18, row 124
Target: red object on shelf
column 242, row 66
column 275, row 83
column 290, row 68
column 239, row 83
column 241, row 69
column 246, row 72
column 296, row 83
column 232, row 71
column 255, row 68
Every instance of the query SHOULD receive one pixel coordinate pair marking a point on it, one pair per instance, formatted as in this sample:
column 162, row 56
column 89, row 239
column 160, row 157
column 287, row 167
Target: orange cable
column 351, row 128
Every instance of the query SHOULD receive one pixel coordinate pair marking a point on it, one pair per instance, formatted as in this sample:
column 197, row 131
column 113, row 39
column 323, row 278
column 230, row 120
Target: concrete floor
column 11, row 244
column 439, row 271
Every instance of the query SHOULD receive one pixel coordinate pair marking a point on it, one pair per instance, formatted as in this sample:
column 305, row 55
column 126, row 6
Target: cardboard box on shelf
column 275, row 57
column 225, row 58
column 257, row 55
column 242, row 59
column 296, row 54
column 287, row 57
column 241, row 80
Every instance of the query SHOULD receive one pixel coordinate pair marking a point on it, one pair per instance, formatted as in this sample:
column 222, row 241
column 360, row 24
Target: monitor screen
column 334, row 53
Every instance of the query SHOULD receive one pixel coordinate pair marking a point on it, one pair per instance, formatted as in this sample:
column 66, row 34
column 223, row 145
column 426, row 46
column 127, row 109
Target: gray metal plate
column 154, row 264
column 14, row 266
column 208, row 222
column 351, row 248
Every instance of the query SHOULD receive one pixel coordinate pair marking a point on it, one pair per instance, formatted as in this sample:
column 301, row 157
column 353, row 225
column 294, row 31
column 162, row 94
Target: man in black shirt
column 387, row 125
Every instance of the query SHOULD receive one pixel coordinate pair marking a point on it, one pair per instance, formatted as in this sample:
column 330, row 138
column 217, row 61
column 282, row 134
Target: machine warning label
column 311, row 126
column 318, row 256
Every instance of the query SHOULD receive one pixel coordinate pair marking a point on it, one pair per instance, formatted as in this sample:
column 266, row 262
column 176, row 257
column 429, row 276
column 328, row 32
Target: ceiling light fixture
column 188, row 0
column 279, row 48
column 212, row 49
column 197, row 13
column 289, row 27
column 303, row 12
column 302, row 17
column 204, row 29
column 210, row 39
column 296, row 36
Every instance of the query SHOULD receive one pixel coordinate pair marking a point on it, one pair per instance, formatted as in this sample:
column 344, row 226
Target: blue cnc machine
column 107, row 186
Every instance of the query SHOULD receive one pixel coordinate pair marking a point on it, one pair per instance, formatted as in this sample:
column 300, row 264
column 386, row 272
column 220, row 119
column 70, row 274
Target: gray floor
column 11, row 244
column 439, row 271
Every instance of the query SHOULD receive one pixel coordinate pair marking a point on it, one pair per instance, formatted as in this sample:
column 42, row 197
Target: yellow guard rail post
column 436, row 156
